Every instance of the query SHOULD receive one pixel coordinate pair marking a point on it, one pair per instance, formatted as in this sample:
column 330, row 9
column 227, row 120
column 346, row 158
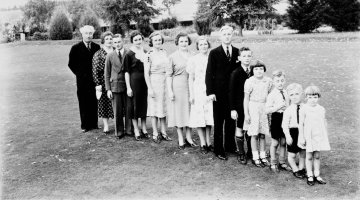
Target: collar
column 86, row 44
column 121, row 51
column 244, row 68
column 225, row 47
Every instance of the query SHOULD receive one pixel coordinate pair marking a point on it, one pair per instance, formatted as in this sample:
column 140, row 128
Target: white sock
column 255, row 155
column 262, row 154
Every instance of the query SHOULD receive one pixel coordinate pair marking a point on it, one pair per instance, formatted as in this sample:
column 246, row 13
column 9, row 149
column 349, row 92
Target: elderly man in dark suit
column 221, row 63
column 80, row 63
column 115, row 85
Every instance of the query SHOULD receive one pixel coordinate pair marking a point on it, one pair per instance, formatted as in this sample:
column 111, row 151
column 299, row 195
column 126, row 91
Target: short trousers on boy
column 240, row 120
column 275, row 126
column 293, row 148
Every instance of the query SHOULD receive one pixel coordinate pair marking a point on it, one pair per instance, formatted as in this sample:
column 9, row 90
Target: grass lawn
column 45, row 156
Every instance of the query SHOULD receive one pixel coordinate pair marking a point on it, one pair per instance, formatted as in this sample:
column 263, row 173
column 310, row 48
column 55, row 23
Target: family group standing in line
column 221, row 88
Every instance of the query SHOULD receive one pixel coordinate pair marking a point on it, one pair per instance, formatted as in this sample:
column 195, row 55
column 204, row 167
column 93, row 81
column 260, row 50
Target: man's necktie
column 247, row 71
column 88, row 46
column 228, row 53
column 282, row 94
column 297, row 113
column 120, row 57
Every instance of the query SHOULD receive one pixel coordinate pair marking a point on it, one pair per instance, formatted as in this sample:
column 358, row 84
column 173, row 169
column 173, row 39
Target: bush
column 168, row 23
column 305, row 15
column 174, row 31
column 60, row 27
column 342, row 15
column 202, row 27
column 89, row 18
column 145, row 28
column 40, row 36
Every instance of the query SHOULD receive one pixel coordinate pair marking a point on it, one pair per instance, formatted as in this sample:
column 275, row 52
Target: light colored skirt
column 179, row 109
column 201, row 112
column 157, row 105
column 258, row 119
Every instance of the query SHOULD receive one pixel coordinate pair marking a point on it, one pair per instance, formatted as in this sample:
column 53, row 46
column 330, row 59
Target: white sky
column 11, row 3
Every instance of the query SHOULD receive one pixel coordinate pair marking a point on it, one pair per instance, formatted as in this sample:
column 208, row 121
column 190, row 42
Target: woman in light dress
column 154, row 72
column 201, row 113
column 178, row 90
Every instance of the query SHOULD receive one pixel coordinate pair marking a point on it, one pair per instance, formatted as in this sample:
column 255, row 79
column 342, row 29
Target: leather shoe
column 274, row 168
column 165, row 137
column 210, row 148
column 242, row 159
column 137, row 138
column 190, row 144
column 221, row 157
column 203, row 150
column 118, row 137
column 310, row 181
column 298, row 174
column 319, row 180
column 156, row 139
column 145, row 135
column 181, row 147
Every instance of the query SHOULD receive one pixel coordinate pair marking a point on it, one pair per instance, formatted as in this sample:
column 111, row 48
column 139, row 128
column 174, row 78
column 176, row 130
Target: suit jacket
column 80, row 62
column 237, row 82
column 218, row 72
column 114, row 72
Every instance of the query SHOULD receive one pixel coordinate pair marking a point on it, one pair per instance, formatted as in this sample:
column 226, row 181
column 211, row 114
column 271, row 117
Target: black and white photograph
column 179, row 99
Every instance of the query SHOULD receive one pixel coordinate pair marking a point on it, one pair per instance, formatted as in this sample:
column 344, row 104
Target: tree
column 89, row 18
column 169, row 3
column 38, row 14
column 122, row 12
column 342, row 15
column 76, row 9
column 238, row 10
column 305, row 15
column 60, row 27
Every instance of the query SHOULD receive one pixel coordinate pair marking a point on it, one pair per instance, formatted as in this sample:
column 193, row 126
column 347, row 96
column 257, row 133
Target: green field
column 45, row 155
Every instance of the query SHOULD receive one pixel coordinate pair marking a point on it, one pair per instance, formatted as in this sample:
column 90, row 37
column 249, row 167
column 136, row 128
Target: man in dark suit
column 237, row 82
column 115, row 85
column 221, row 63
column 80, row 63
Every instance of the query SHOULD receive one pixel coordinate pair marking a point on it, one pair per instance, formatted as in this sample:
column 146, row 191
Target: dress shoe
column 190, row 144
column 298, row 174
column 145, row 135
column 265, row 162
column 310, row 181
column 274, row 168
column 165, row 137
column 319, row 180
column 156, row 139
column 210, row 148
column 285, row 167
column 118, row 137
column 221, row 157
column 303, row 172
column 257, row 163
column 203, row 150
column 242, row 159
column 181, row 147
column 106, row 132
column 137, row 138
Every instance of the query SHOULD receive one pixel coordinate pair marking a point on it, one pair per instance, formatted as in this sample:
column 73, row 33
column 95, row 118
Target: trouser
column 88, row 106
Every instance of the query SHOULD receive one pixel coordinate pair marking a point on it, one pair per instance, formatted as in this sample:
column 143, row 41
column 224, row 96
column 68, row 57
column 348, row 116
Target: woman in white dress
column 201, row 114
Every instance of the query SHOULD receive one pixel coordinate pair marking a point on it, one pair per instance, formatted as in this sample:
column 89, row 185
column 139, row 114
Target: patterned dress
column 201, row 112
column 315, row 133
column 258, row 91
column 157, row 62
column 104, row 103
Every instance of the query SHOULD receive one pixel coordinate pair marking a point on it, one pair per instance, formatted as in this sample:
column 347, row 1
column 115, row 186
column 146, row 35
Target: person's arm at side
column 285, row 126
column 232, row 94
column 147, row 65
column 301, row 140
column 96, row 72
column 73, row 63
column 210, row 76
column 107, row 76
column 169, row 79
column 246, row 107
column 190, row 69
column 127, row 65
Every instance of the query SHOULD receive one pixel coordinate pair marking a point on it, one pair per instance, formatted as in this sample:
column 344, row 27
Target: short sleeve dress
column 315, row 133
column 258, row 90
column 104, row 104
column 179, row 109
column 157, row 60
column 201, row 112
column 133, row 64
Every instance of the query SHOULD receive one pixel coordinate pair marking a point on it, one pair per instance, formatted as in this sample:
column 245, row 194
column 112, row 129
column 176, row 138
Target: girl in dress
column 135, row 84
column 256, row 89
column 154, row 71
column 178, row 90
column 313, row 133
column 201, row 112
column 105, row 110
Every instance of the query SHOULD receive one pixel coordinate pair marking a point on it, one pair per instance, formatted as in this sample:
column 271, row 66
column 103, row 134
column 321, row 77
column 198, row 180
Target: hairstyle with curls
column 200, row 38
column 278, row 73
column 104, row 35
column 255, row 64
column 135, row 33
column 244, row 49
column 312, row 90
column 182, row 35
column 294, row 86
column 156, row 33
